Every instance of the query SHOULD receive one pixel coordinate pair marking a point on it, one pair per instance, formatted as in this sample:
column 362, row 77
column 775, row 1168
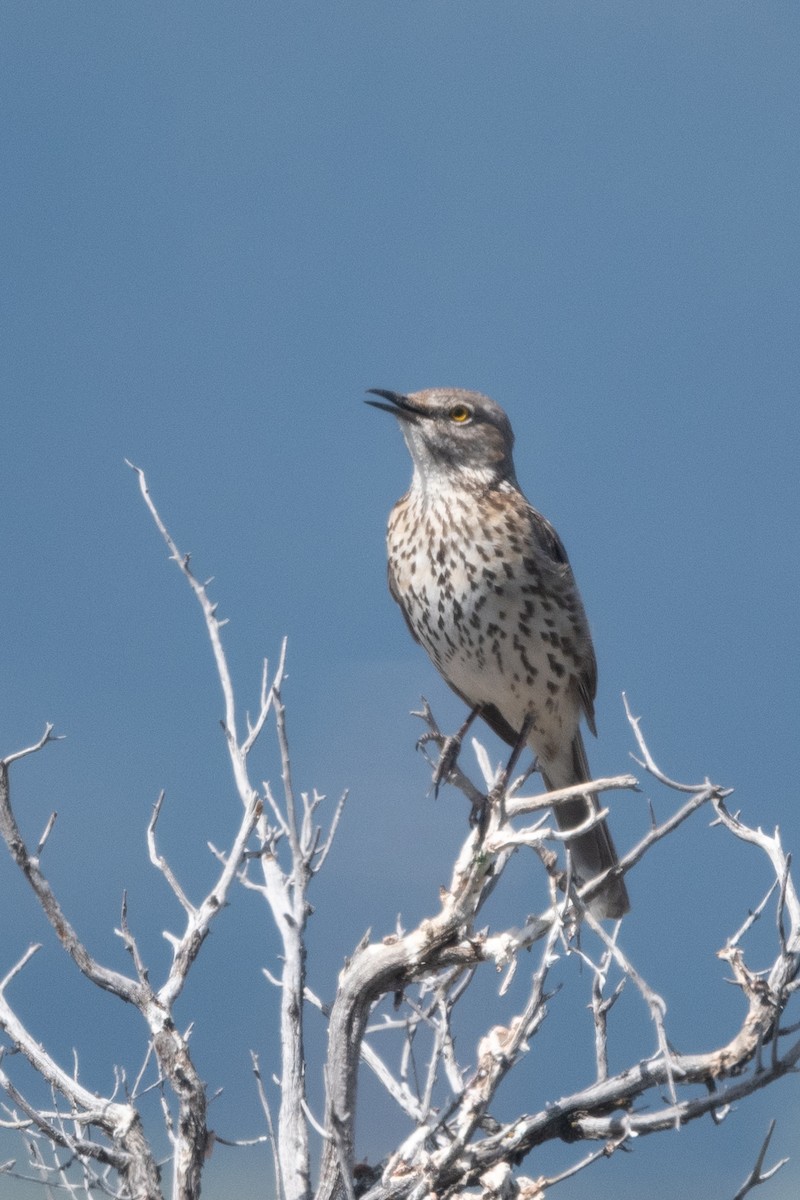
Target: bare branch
column 15, row 970
column 130, row 943
column 448, row 1154
column 396, row 1008
column 604, row 1152
column 48, row 829
column 43, row 741
column 111, row 981
column 771, row 846
column 649, row 763
column 758, row 1175
column 213, row 624
column 322, row 852
column 519, row 805
column 262, row 1096
column 655, row 1003
column 199, row 919
column 160, row 862
column 128, row 1152
column 267, row 694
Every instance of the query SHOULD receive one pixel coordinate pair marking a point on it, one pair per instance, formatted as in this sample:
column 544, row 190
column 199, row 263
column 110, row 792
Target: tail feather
column 592, row 853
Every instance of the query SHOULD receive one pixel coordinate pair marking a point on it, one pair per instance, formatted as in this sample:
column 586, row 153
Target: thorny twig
column 758, row 1175
column 127, row 1149
column 458, row 1142
column 451, row 1150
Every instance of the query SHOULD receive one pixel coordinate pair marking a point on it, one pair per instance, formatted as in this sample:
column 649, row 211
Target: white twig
column 43, row 741
column 758, row 1175
column 161, row 864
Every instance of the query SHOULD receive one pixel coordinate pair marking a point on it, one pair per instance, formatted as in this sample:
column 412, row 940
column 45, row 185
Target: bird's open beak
column 399, row 405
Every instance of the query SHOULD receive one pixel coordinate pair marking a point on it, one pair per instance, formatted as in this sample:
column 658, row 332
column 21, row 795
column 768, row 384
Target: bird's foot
column 449, row 750
column 496, row 797
column 448, row 754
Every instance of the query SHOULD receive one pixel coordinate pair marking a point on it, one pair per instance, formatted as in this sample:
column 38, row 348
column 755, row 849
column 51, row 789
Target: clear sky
column 219, row 224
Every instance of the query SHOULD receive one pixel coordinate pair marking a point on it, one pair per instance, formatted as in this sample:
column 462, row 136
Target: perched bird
column 485, row 586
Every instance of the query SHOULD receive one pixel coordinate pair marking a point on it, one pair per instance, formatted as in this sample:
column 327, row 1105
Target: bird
column 485, row 586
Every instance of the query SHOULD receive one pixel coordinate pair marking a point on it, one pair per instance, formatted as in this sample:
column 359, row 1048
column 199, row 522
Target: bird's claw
column 449, row 747
column 430, row 736
column 449, row 750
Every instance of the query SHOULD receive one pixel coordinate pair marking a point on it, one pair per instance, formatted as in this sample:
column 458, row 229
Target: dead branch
column 452, row 1149
column 758, row 1175
column 396, row 1009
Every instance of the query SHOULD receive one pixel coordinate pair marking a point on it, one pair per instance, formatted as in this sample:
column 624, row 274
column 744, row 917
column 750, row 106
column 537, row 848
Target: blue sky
column 219, row 224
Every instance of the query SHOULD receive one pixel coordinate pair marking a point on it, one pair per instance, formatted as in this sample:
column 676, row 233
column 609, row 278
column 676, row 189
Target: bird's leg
column 449, row 750
column 513, row 758
column 498, row 791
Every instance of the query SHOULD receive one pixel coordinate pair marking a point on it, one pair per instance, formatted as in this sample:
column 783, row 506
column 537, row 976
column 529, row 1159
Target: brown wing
column 562, row 581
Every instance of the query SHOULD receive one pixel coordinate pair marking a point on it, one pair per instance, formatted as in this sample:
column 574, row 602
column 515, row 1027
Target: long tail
column 593, row 852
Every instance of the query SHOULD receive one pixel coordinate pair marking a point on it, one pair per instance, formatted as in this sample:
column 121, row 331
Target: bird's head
column 456, row 438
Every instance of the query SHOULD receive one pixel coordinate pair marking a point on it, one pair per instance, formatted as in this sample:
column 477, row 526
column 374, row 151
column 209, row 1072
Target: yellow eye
column 460, row 414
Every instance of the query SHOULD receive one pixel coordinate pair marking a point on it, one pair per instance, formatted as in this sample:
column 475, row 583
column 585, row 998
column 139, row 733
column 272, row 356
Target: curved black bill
column 398, row 405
